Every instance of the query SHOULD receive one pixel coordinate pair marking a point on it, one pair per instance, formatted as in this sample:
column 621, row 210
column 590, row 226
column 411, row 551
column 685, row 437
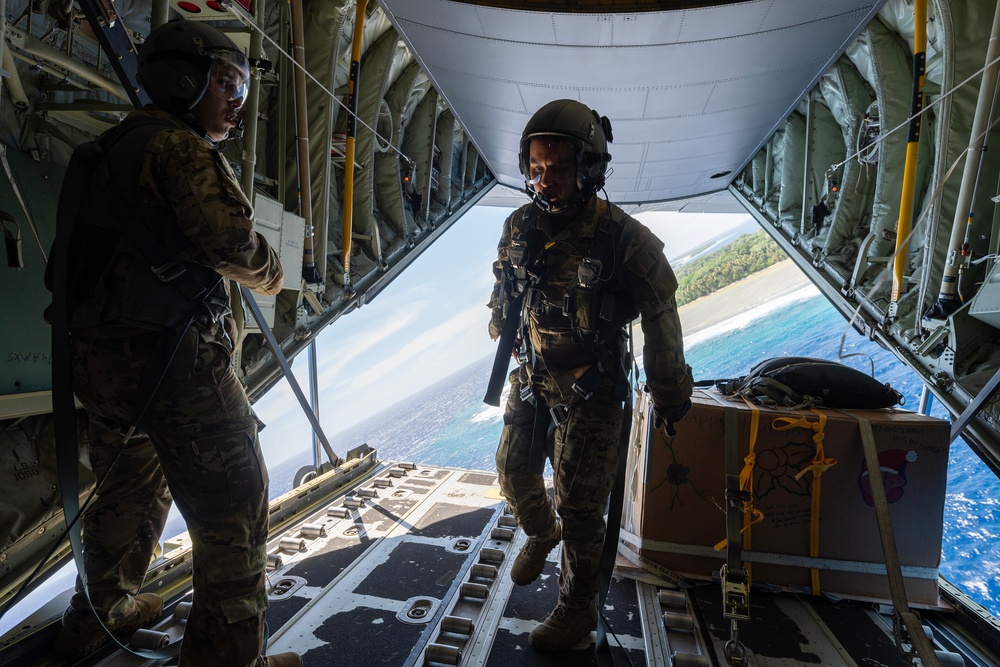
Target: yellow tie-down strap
column 819, row 465
column 751, row 514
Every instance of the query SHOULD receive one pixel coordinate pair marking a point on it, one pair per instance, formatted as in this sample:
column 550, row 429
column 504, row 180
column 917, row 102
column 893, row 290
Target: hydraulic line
column 352, row 133
column 302, row 131
column 912, row 146
column 36, row 47
column 949, row 298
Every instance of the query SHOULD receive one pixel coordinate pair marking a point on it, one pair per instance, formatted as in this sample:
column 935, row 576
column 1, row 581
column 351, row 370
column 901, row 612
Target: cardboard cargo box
column 678, row 514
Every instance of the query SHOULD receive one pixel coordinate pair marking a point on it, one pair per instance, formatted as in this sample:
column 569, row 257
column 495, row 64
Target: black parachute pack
column 797, row 382
column 104, row 218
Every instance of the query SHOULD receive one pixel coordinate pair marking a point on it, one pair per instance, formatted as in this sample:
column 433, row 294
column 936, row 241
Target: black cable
column 624, row 651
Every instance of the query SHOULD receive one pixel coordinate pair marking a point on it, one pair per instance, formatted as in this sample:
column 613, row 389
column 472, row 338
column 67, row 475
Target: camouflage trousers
column 585, row 451
column 201, row 445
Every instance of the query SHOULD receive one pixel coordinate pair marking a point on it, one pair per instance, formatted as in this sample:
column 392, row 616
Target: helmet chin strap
column 544, row 203
column 196, row 125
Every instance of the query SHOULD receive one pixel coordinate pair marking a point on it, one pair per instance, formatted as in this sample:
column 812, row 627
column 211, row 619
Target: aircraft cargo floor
column 409, row 565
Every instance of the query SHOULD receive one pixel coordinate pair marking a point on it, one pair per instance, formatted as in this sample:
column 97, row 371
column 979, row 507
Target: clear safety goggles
column 229, row 76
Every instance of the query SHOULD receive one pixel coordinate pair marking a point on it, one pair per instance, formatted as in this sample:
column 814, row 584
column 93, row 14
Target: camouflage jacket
column 645, row 286
column 187, row 182
column 190, row 208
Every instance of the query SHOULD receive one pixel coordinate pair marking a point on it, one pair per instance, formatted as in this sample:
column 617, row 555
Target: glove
column 667, row 417
column 496, row 324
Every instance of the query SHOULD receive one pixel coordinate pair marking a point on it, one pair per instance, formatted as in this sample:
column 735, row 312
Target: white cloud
column 427, row 324
column 441, row 339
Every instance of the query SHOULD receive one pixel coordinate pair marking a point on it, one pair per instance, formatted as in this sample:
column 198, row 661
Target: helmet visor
column 229, row 76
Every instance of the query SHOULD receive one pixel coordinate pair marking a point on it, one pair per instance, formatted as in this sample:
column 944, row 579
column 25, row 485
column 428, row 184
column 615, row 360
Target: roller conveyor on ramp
column 409, row 565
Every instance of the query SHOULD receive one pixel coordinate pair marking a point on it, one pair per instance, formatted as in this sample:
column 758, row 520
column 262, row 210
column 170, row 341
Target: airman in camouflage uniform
column 558, row 147
column 200, row 445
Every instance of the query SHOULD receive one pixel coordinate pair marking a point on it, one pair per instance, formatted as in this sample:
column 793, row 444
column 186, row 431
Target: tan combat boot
column 80, row 634
column 564, row 628
column 282, row 660
column 531, row 561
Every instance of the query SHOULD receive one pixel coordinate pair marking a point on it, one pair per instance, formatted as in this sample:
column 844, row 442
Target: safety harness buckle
column 560, row 413
column 527, row 394
column 170, row 270
column 584, row 393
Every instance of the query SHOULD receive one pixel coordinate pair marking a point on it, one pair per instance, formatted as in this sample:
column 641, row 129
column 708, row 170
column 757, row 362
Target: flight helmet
column 176, row 59
column 590, row 134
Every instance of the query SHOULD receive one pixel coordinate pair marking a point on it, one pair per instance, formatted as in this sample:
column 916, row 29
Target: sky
column 429, row 323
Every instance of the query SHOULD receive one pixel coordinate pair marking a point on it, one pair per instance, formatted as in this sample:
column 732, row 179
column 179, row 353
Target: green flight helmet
column 590, row 133
column 175, row 61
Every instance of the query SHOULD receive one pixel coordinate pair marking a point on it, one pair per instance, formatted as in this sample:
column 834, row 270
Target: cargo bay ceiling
column 693, row 89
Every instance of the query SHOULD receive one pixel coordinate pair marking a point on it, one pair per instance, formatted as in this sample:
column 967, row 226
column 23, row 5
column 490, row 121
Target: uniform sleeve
column 214, row 214
column 496, row 302
column 652, row 285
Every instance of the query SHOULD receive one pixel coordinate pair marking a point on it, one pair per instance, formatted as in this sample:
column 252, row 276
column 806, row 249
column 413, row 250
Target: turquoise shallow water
column 448, row 425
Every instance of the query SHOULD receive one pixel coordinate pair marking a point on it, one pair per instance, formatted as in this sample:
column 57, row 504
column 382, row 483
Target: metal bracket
column 973, row 409
column 113, row 38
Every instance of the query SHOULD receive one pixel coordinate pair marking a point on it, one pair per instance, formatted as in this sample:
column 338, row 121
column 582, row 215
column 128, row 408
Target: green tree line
column 743, row 257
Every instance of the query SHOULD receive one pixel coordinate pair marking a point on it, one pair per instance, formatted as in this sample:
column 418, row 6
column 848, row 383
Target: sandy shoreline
column 773, row 282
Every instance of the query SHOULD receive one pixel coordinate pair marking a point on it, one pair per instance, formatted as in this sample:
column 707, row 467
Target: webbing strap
column 751, row 514
column 918, row 639
column 610, row 550
column 819, row 465
column 733, row 518
column 788, row 560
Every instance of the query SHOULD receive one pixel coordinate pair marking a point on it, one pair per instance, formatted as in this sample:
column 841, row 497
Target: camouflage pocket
column 244, row 606
column 232, row 472
column 212, row 472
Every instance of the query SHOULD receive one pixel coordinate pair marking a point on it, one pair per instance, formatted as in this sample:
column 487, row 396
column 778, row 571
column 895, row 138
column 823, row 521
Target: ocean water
column 448, row 425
